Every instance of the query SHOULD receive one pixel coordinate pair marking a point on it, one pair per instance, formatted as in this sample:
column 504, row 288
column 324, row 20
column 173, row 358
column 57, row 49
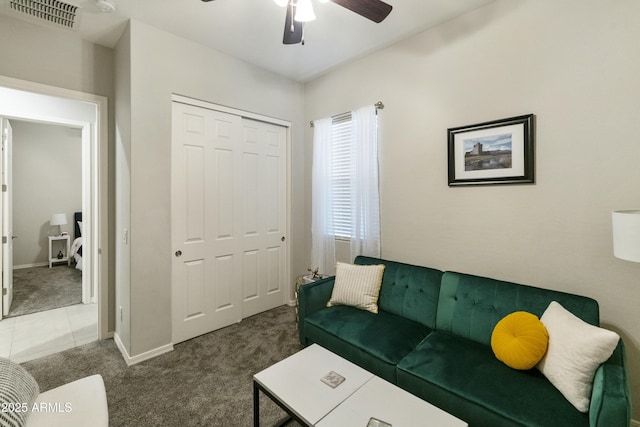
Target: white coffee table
column 386, row 402
column 295, row 384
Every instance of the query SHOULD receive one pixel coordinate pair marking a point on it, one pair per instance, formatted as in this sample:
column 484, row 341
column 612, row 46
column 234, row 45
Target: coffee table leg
column 256, row 408
column 256, row 405
column 284, row 421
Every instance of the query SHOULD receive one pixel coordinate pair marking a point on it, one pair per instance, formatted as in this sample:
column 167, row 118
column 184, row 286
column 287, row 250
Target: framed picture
column 496, row 152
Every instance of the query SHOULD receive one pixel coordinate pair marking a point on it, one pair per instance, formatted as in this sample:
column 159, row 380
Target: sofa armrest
column 311, row 298
column 611, row 398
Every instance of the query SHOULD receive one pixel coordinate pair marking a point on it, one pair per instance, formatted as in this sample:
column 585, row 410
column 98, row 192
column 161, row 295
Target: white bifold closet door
column 228, row 219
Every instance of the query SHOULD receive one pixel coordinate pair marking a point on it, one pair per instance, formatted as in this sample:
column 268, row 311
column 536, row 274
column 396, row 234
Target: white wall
column 123, row 185
column 54, row 57
column 573, row 63
column 47, row 179
column 162, row 64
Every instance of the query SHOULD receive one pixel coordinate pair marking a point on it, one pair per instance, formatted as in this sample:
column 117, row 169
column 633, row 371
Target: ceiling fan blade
column 207, row 1
column 292, row 28
column 375, row 10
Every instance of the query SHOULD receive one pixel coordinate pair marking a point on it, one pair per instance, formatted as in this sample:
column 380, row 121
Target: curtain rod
column 378, row 105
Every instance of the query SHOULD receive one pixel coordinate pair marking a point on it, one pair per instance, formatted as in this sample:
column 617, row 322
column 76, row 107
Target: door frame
column 267, row 119
column 95, row 187
column 6, row 213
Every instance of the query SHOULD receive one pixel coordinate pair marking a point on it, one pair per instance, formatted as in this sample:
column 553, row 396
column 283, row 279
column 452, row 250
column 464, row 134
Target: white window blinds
column 341, row 174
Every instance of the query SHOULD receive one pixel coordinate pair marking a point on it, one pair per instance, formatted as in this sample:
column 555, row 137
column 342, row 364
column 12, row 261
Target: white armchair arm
column 79, row 403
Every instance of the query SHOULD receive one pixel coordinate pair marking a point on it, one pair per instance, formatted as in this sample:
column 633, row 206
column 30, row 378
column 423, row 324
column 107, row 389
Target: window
column 341, row 174
column 345, row 194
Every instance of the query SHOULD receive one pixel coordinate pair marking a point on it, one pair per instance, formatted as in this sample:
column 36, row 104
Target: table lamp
column 58, row 219
column 626, row 234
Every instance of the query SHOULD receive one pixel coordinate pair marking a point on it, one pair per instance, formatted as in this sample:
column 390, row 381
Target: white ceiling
column 252, row 29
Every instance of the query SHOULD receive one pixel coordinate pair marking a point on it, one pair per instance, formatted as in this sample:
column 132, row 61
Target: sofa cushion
column 519, row 340
column 357, row 286
column 576, row 350
column 464, row 378
column 376, row 342
column 408, row 290
column 471, row 306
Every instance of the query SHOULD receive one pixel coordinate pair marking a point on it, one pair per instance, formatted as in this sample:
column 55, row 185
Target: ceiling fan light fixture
column 304, row 11
column 281, row 3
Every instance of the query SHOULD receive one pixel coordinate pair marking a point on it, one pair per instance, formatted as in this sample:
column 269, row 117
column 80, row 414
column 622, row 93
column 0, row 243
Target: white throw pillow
column 576, row 350
column 357, row 285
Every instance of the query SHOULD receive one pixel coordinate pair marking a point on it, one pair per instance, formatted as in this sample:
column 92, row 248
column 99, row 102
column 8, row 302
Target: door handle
column 282, row 239
column 178, row 253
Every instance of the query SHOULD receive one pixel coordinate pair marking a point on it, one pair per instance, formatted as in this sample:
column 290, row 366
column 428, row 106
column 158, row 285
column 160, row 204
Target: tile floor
column 28, row 337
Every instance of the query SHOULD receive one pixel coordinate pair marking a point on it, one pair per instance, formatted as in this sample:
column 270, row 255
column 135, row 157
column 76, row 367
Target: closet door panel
column 265, row 207
column 206, row 266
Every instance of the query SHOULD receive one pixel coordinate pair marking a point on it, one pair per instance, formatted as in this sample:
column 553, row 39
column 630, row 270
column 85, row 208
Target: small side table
column 65, row 258
column 301, row 281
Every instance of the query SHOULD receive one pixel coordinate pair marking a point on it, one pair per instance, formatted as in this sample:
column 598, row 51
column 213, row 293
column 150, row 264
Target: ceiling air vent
column 51, row 12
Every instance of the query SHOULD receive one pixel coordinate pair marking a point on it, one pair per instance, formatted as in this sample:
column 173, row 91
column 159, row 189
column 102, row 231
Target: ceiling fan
column 301, row 11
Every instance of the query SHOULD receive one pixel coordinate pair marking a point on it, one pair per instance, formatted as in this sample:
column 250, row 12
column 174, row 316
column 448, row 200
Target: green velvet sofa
column 432, row 337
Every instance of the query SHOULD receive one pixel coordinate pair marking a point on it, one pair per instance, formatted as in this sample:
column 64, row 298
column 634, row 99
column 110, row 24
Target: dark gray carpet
column 206, row 381
column 42, row 288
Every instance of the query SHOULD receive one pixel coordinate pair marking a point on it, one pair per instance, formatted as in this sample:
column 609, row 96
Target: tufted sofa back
column 408, row 290
column 470, row 306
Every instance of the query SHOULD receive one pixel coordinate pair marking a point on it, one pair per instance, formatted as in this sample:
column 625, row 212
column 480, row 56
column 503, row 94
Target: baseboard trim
column 37, row 264
column 132, row 360
column 121, row 347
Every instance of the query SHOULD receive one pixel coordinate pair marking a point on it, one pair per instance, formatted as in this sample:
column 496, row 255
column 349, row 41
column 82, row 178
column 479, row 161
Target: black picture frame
column 495, row 152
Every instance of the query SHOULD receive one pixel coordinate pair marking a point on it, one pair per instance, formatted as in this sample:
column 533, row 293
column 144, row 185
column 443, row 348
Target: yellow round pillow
column 520, row 340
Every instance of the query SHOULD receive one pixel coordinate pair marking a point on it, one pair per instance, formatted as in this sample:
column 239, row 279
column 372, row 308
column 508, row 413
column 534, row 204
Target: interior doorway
column 46, row 206
column 85, row 115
